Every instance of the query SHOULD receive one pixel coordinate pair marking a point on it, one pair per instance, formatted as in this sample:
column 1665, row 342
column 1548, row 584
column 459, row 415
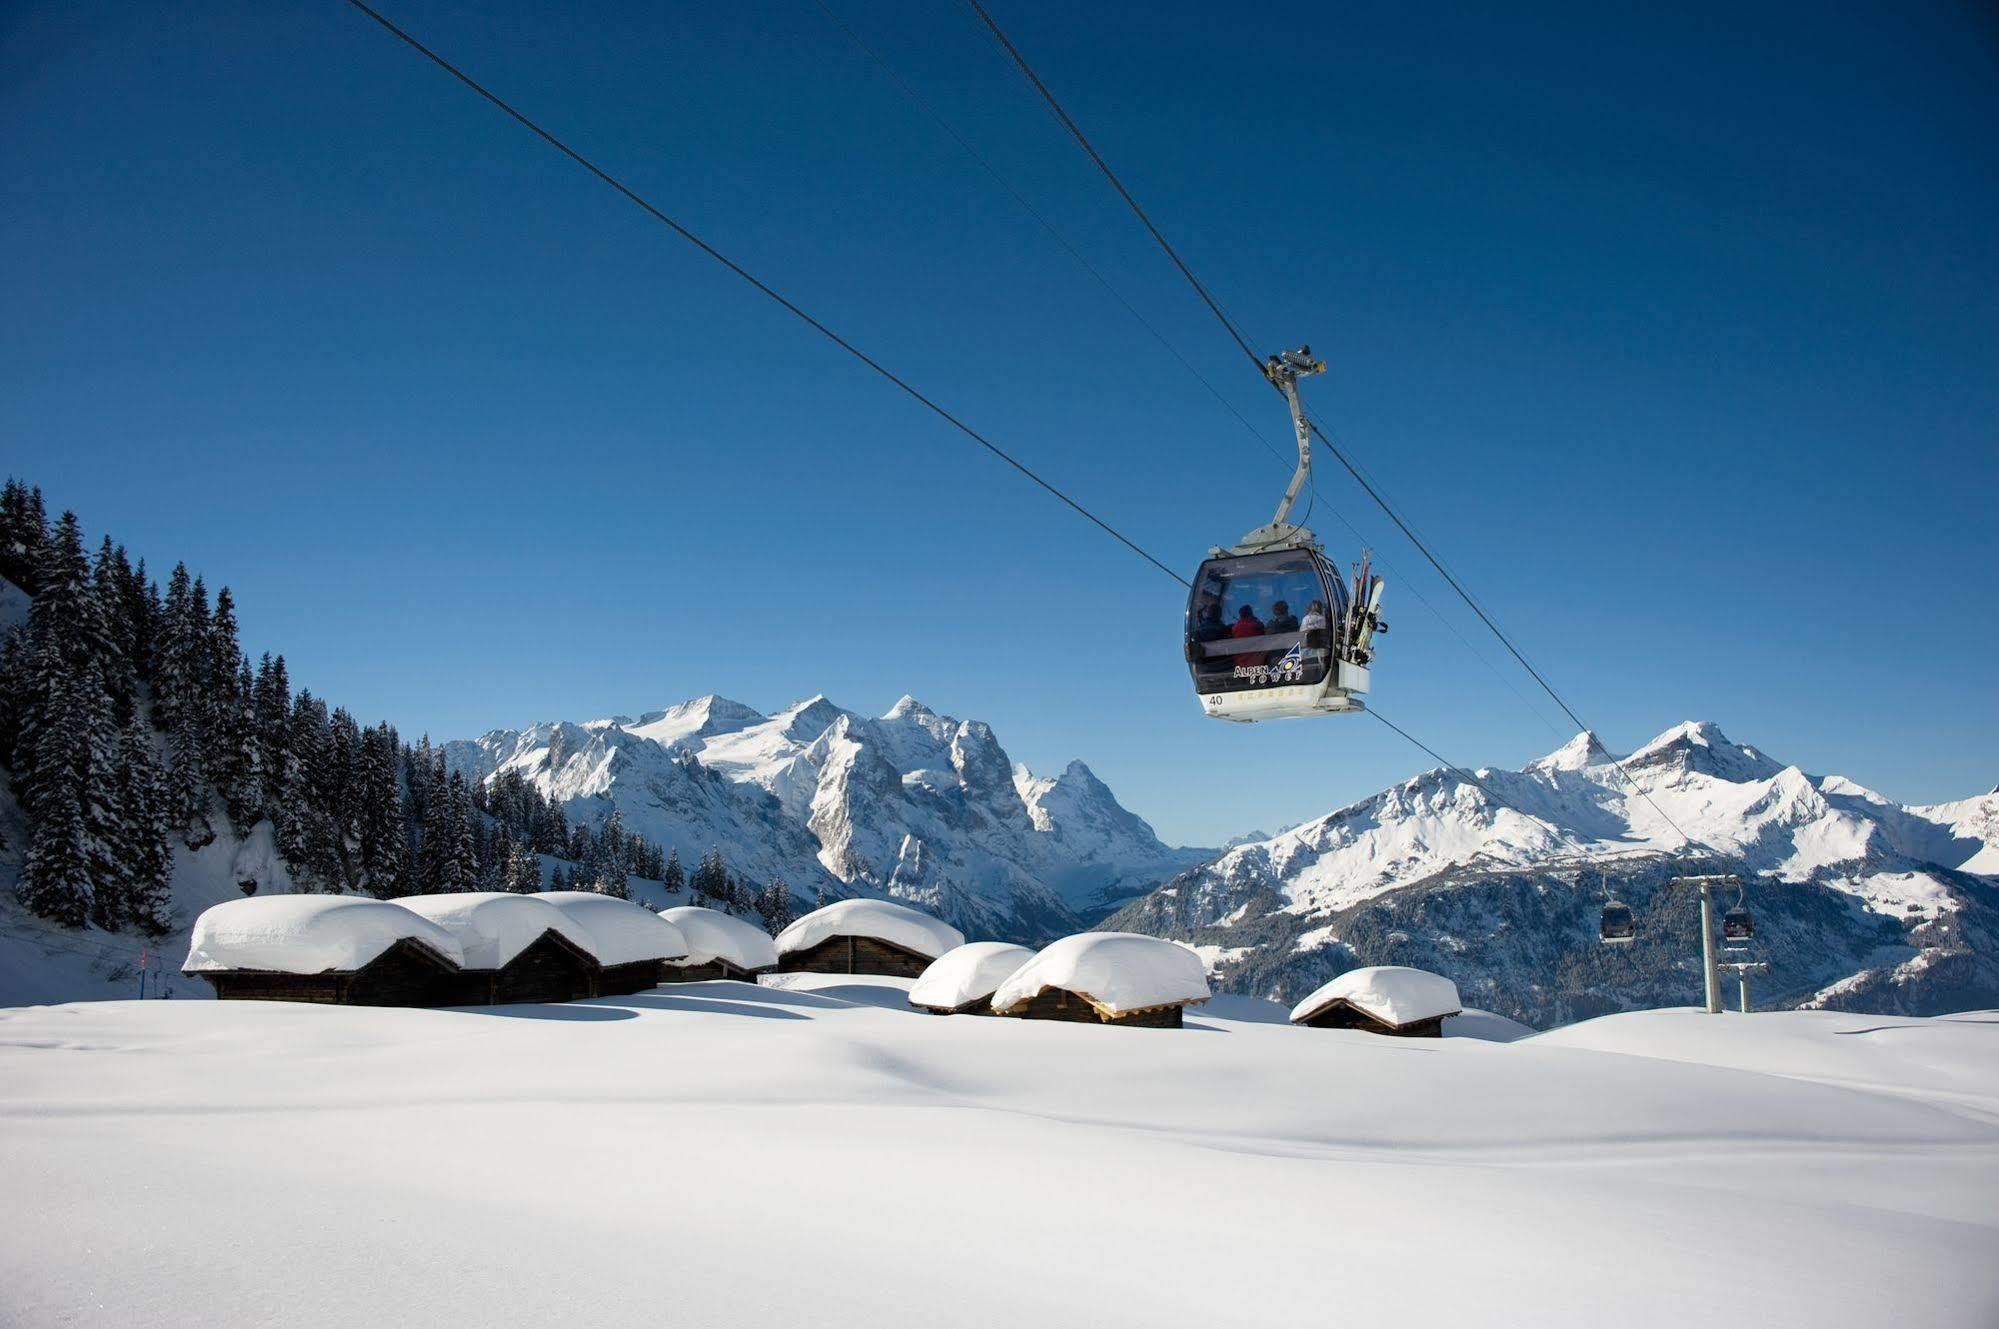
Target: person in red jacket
column 1247, row 624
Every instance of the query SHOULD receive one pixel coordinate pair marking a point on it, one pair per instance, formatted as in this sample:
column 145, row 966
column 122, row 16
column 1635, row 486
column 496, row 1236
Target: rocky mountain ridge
column 911, row 804
column 1498, row 881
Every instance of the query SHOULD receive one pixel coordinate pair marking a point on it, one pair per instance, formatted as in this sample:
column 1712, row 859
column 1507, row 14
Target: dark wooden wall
column 855, row 955
column 703, row 973
column 409, row 973
column 553, row 968
column 1056, row 1004
column 618, row 980
column 1340, row 1015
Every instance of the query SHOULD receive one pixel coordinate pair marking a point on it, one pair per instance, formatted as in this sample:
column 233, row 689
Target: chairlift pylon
column 1273, row 628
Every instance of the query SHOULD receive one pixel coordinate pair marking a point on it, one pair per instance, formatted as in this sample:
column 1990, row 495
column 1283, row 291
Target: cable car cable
column 984, row 163
column 1339, row 455
column 1213, row 305
column 823, row 329
column 684, row 233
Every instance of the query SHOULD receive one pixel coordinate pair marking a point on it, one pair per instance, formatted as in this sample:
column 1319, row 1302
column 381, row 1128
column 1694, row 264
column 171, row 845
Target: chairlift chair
column 1273, row 628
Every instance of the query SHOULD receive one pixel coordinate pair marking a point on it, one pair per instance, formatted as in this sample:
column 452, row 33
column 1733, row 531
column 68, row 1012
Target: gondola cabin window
column 1263, row 620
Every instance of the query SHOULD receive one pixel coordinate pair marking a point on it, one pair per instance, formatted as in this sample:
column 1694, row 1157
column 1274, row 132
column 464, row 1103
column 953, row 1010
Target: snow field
column 725, row 1153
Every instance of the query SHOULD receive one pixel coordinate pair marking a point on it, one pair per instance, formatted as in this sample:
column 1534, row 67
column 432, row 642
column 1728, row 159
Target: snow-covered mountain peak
column 907, row 706
column 700, row 719
column 1699, row 745
column 1577, row 754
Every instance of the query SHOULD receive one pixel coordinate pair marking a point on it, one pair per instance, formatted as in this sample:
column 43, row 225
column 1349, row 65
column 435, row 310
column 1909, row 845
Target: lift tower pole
column 1709, row 971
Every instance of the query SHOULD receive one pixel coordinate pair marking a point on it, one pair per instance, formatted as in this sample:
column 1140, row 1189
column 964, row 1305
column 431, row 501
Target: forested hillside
column 136, row 735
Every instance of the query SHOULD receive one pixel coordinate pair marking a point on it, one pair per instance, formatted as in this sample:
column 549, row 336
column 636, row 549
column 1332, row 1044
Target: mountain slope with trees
column 149, row 769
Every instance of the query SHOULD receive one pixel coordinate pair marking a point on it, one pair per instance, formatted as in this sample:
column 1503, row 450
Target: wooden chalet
column 1062, row 1004
column 1119, row 978
column 865, row 937
column 408, row 973
column 329, row 949
column 1382, row 999
column 632, row 945
column 855, row 955
column 719, row 946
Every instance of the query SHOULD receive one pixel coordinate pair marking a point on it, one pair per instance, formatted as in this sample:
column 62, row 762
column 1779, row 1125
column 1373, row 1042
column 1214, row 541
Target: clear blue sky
column 1678, row 332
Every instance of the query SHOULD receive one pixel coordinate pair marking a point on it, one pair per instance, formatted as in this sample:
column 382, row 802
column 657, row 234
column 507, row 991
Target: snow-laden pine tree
column 522, row 874
column 56, row 880
column 271, row 709
column 24, row 525
column 232, row 757
column 381, row 825
column 144, row 854
column 674, row 875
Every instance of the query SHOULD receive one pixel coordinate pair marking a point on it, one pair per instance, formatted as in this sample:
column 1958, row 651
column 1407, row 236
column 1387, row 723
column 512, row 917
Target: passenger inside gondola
column 1281, row 618
column 1247, row 624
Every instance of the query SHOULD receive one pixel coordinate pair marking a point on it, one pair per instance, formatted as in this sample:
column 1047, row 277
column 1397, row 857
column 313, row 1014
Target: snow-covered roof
column 713, row 935
column 1391, row 993
column 492, row 927
column 1116, row 971
column 972, row 972
column 619, row 931
column 881, row 919
column 307, row 934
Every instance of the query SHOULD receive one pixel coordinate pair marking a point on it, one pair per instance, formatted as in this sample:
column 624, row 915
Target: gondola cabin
column 1273, row 629
column 517, row 948
column 1119, row 978
column 1275, row 635
column 865, row 937
column 962, row 981
column 1737, row 926
column 330, row 949
column 632, row 944
column 1617, row 927
column 719, row 946
column 1382, row 999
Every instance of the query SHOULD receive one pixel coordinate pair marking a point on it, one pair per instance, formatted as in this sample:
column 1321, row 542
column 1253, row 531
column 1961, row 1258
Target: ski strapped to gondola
column 1273, row 628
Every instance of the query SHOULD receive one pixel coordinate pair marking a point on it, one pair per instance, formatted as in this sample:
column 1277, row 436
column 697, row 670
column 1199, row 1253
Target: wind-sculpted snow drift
column 913, row 805
column 1860, row 903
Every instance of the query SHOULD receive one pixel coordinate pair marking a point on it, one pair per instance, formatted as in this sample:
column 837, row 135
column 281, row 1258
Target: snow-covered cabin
column 962, row 981
column 1107, row 978
column 631, row 943
column 719, row 945
column 340, row 949
column 865, row 937
column 516, row 947
column 1382, row 999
